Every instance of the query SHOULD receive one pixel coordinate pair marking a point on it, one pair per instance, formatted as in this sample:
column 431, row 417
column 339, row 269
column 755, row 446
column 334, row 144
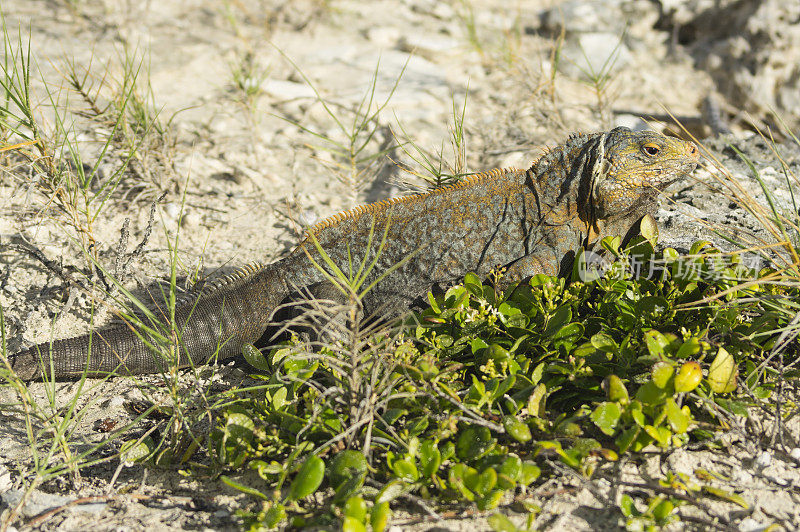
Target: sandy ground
column 250, row 179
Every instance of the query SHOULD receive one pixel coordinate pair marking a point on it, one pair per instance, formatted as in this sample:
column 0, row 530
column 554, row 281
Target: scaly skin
column 527, row 221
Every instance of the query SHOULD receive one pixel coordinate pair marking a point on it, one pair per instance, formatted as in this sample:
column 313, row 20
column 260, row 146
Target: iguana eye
column 651, row 149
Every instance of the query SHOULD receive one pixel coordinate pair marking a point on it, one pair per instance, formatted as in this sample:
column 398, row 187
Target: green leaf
column 529, row 473
column 656, row 343
column 568, row 335
column 134, row 451
column 433, row 303
column 615, row 389
column 722, row 373
column 661, row 373
column 430, row 458
column 650, row 394
column 688, row 378
column 490, row 501
column 345, row 465
column 501, row 523
column 264, row 469
column 243, row 488
column 474, row 442
column 274, row 515
column 456, row 297
column 391, row 490
column 504, row 386
column 648, row 228
column 536, row 402
column 511, row 316
column 562, row 316
column 477, row 344
column 678, row 420
column 699, row 246
column 418, row 425
column 690, row 347
column 279, row 398
column 473, row 283
column 351, row 524
column 670, row 255
column 348, row 488
column 379, row 516
column 391, row 416
column 481, row 484
column 356, row 507
column 605, row 343
column 660, row 434
column 405, row 470
column 662, row 510
column 498, row 353
column 455, row 479
column 652, row 306
column 536, row 375
column 611, row 243
column 255, row 358
column 626, row 438
column 511, row 468
column 606, row 417
column 517, row 429
column 726, row 496
column 627, row 506
column 308, row 478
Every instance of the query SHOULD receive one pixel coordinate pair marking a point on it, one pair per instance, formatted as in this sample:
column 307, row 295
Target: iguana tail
column 214, row 323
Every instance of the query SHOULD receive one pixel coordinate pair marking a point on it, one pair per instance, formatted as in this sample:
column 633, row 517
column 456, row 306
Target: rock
column 703, row 208
column 430, row 46
column 751, row 525
column 763, row 460
column 581, row 16
column 632, row 122
column 40, row 502
column 384, row 36
column 172, row 211
column 5, row 479
column 114, row 402
column 635, row 18
column 287, row 90
column 593, row 54
column 750, row 47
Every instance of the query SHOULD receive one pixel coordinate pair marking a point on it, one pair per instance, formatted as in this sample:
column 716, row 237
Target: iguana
column 525, row 221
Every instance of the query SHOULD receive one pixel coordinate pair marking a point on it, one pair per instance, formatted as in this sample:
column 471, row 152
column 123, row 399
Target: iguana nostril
column 692, row 149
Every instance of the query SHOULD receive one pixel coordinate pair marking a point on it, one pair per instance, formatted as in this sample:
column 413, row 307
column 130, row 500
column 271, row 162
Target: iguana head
column 630, row 168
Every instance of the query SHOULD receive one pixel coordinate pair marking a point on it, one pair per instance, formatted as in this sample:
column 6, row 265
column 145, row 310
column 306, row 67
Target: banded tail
column 215, row 322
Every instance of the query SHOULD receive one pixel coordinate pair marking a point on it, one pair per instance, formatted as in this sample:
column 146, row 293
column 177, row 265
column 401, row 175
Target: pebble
column 763, row 460
column 5, row 479
column 428, row 45
column 751, row 525
column 172, row 211
column 384, row 36
column 632, row 122
column 593, row 54
column 114, row 402
column 582, row 16
column 40, row 502
column 287, row 90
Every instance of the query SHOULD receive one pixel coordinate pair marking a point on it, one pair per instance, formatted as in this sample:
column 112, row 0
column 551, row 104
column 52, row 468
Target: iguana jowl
column 527, row 221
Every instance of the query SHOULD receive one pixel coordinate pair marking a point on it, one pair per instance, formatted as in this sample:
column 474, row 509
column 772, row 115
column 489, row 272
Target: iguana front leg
column 540, row 261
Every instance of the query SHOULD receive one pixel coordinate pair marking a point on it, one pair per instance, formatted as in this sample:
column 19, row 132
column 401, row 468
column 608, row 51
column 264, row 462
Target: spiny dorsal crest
column 356, row 212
